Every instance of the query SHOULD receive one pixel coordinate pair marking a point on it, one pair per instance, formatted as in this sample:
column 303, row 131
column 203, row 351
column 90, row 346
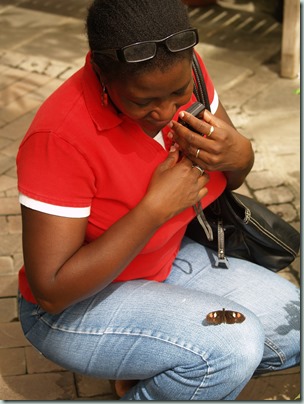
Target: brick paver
column 243, row 58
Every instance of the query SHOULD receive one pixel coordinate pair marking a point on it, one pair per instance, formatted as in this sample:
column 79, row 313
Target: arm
column 62, row 271
column 225, row 150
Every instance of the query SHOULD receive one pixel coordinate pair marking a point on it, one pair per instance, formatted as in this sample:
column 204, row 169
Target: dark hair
column 117, row 23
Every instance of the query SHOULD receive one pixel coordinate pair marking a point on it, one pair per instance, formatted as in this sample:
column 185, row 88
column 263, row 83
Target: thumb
column 170, row 161
column 172, row 158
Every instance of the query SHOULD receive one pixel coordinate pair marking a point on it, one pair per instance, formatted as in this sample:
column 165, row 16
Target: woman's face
column 151, row 99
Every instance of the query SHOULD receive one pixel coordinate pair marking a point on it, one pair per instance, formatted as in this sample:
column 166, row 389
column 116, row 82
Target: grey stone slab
column 230, row 33
column 8, row 285
column 291, row 277
column 12, row 362
column 9, row 206
column 278, row 92
column 52, row 46
column 235, row 74
column 3, row 226
column 6, row 266
column 3, row 141
column 277, row 138
column 10, row 244
column 11, row 336
column 278, row 386
column 35, row 64
column 18, row 108
column 296, row 269
column 20, row 26
column 244, row 190
column 37, row 363
column 91, row 387
column 277, row 195
column 21, row 87
column 7, row 183
column 11, row 76
column 18, row 261
column 286, row 210
column 16, row 129
column 8, row 309
column 14, row 224
column 75, row 9
column 6, row 162
column 44, row 91
column 263, row 179
column 12, row 192
column 12, row 149
column 71, row 70
column 45, row 386
column 11, row 59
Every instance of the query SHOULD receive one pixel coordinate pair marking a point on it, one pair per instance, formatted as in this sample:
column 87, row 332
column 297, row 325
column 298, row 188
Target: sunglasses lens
column 139, row 52
column 181, row 41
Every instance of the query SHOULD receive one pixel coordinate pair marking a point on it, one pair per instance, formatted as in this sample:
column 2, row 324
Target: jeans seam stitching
column 275, row 349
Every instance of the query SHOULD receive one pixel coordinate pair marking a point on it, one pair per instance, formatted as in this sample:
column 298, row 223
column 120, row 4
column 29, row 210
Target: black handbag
column 240, row 226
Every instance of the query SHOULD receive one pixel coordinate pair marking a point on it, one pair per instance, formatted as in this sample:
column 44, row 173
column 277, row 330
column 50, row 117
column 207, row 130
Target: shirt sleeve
column 54, row 172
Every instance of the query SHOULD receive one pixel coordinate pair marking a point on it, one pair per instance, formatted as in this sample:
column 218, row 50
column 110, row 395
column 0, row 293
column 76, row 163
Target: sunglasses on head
column 145, row 50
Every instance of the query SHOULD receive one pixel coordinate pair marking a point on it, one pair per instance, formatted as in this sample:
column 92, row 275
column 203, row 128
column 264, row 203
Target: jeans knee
column 243, row 350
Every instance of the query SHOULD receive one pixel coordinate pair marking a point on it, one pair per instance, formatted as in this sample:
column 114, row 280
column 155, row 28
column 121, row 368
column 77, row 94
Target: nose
column 164, row 110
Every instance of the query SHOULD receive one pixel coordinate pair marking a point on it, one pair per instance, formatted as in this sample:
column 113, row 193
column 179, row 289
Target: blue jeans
column 157, row 333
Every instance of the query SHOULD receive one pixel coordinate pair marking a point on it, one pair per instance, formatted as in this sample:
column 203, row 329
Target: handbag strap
column 199, row 89
column 201, row 94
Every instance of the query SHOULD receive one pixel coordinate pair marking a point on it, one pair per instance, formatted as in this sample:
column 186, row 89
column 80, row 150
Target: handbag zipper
column 248, row 218
column 221, row 259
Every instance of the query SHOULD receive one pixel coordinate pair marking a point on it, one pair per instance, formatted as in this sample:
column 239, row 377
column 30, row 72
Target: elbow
column 50, row 307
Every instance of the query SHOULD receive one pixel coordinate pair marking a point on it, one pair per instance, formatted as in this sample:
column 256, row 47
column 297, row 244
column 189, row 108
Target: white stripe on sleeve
column 64, row 211
column 215, row 103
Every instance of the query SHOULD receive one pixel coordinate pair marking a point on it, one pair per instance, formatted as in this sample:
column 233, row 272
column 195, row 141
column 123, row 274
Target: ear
column 98, row 72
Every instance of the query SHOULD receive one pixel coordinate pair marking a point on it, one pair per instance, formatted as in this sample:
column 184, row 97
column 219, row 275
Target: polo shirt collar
column 104, row 117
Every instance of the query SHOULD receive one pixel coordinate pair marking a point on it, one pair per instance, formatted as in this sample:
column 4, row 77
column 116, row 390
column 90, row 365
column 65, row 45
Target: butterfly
column 225, row 316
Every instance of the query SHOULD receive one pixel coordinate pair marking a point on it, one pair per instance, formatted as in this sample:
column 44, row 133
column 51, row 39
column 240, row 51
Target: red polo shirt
column 81, row 159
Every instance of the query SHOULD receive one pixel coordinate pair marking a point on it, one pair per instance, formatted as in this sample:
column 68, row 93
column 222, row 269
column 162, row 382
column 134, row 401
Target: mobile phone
column 194, row 109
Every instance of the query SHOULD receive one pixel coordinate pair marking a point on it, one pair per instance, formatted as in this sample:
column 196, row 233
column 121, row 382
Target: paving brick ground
column 41, row 44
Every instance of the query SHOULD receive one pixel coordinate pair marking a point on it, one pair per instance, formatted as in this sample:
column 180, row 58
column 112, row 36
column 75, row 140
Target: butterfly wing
column 215, row 317
column 225, row 316
column 233, row 317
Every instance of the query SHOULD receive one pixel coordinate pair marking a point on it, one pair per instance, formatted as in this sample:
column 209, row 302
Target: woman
column 108, row 179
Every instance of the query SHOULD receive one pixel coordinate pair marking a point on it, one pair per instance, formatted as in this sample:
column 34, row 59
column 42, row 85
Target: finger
column 209, row 161
column 202, row 182
column 198, row 126
column 213, row 120
column 199, row 169
column 201, row 150
column 202, row 193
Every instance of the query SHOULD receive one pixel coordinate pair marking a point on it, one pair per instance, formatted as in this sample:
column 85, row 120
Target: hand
column 175, row 186
column 225, row 149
